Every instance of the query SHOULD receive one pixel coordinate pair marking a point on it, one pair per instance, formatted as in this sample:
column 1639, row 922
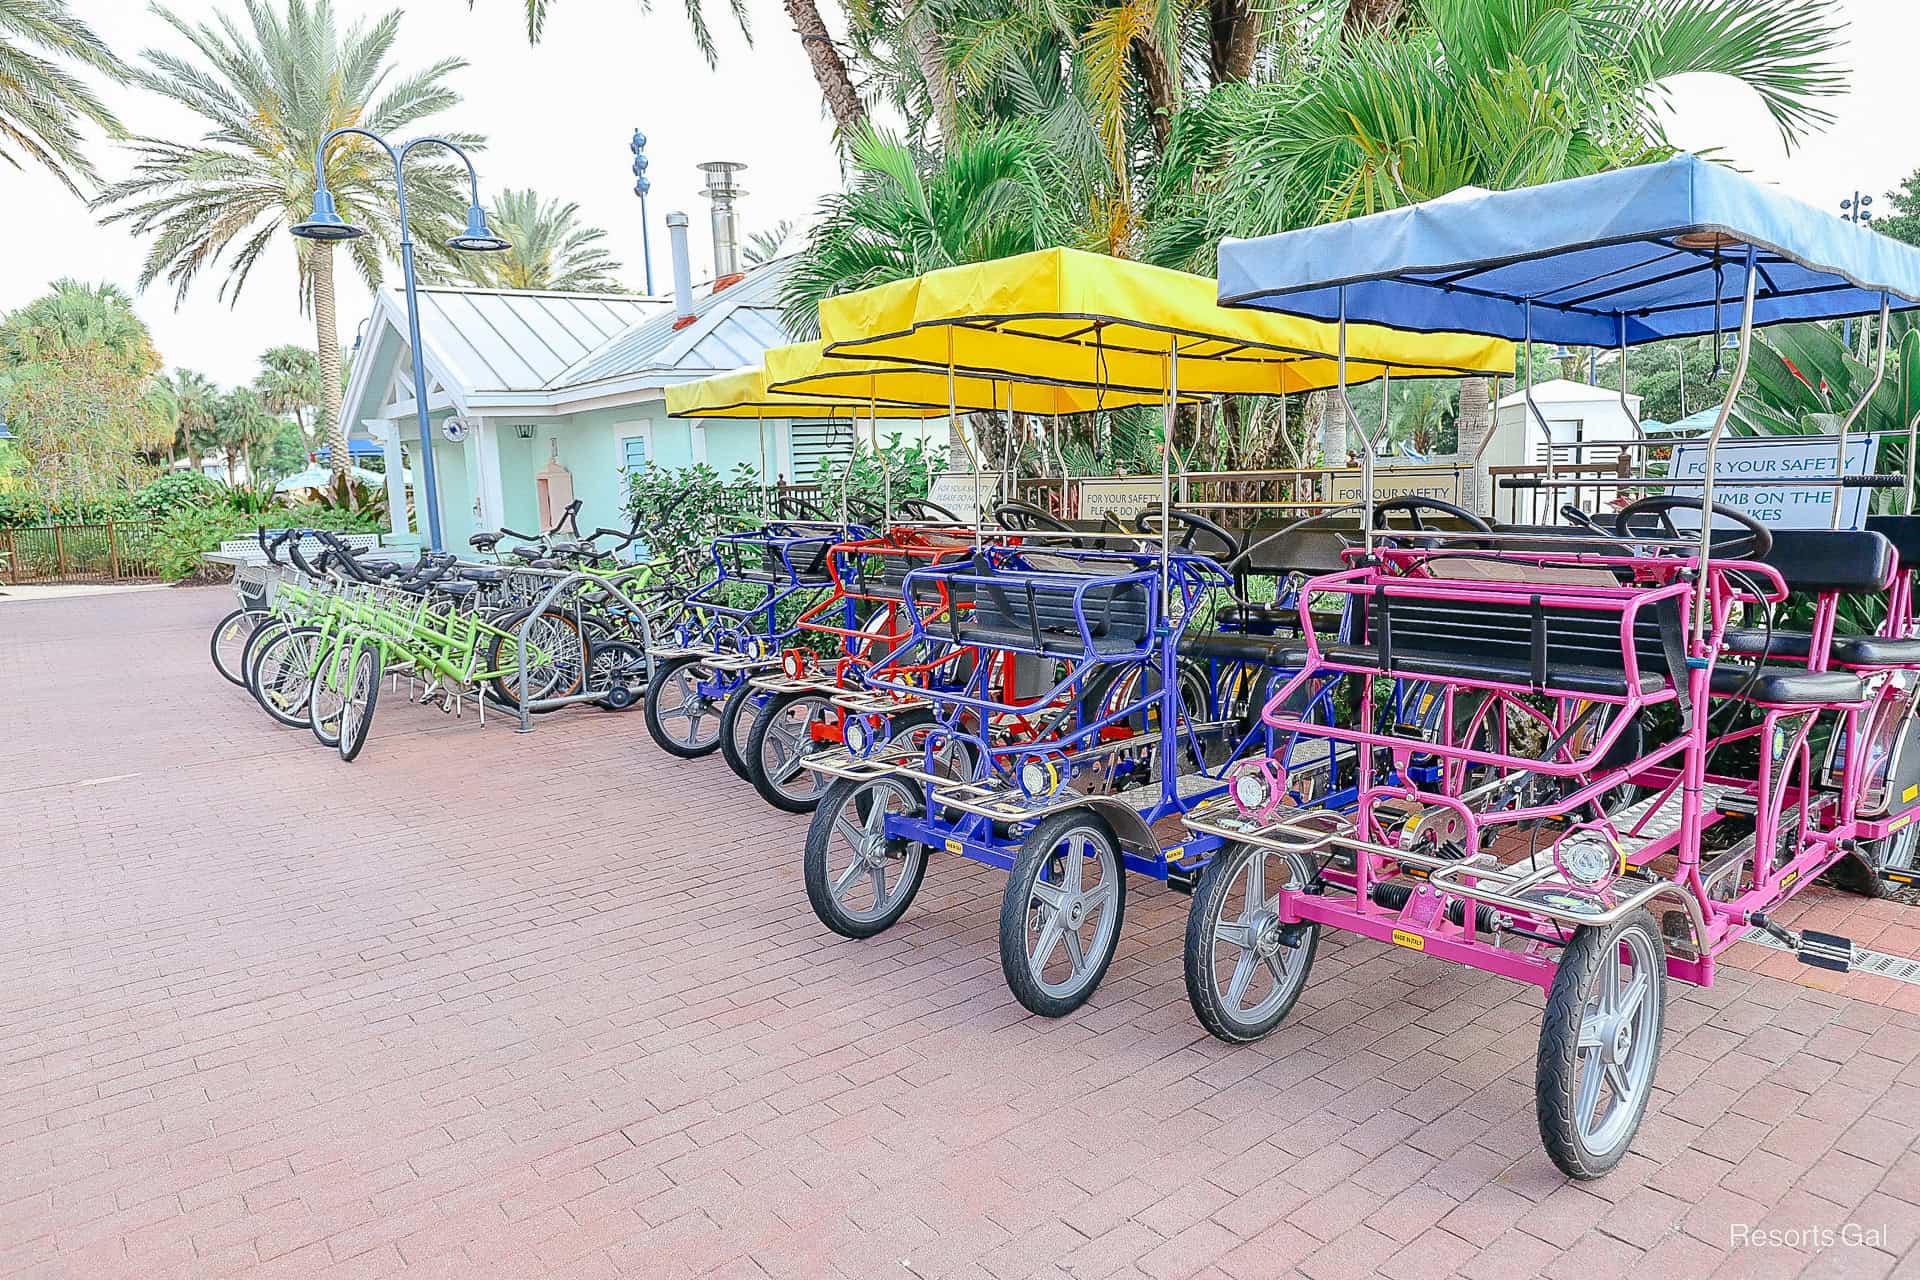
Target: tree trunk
column 1370, row 15
column 1156, row 76
column 1472, row 423
column 931, row 54
column 1234, row 30
column 327, row 336
column 1331, row 413
column 829, row 68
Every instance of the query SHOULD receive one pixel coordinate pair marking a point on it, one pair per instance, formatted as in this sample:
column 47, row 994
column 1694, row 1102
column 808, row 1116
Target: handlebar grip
column 1519, row 482
column 1872, row 482
column 515, row 533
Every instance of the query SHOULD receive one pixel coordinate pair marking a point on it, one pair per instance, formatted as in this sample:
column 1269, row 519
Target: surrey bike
column 1561, row 843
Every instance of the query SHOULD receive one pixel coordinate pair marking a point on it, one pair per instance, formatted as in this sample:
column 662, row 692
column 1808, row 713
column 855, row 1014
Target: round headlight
column 793, row 664
column 1033, row 779
column 1250, row 792
column 858, row 738
column 1586, row 858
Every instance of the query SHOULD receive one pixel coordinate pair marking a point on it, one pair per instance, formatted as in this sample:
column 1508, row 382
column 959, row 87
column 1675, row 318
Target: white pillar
column 493, row 500
column 388, row 433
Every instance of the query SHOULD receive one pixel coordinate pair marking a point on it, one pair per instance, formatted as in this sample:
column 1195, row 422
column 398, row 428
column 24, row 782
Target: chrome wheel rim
column 1619, row 1032
column 1250, row 964
column 284, row 674
column 687, row 716
column 1071, row 916
column 788, row 742
column 867, row 873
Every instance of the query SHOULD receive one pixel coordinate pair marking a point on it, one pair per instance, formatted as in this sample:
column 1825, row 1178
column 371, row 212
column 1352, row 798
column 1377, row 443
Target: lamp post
column 641, row 185
column 1856, row 211
column 326, row 224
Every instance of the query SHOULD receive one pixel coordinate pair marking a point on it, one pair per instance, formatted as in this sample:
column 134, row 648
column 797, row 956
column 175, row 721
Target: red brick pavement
column 483, row 1004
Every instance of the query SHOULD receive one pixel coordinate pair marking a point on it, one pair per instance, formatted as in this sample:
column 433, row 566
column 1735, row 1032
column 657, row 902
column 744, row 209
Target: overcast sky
column 557, row 118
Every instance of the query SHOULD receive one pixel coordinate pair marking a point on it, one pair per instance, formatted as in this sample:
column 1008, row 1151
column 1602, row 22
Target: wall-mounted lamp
column 523, row 430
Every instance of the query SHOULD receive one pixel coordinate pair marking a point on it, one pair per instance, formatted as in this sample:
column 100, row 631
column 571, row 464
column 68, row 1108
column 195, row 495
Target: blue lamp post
column 326, row 224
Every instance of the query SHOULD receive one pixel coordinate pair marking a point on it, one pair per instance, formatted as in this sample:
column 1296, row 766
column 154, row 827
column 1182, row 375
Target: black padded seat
column 1496, row 668
column 1238, row 646
column 454, row 589
column 1758, row 642
column 379, row 568
column 1252, row 614
column 1847, row 651
column 1789, row 686
column 483, row 575
column 484, row 541
column 1056, row 640
column 1903, row 532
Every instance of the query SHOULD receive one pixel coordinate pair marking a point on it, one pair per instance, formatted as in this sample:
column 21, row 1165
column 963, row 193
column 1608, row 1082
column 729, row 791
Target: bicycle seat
column 485, row 541
column 380, row 568
column 483, row 575
column 455, row 589
column 527, row 553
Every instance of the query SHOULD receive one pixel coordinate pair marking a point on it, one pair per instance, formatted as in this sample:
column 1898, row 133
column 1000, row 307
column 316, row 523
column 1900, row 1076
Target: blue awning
column 1638, row 253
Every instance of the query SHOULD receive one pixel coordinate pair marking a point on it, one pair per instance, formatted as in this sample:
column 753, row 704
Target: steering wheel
column 1756, row 544
column 803, row 509
column 1024, row 518
column 866, row 510
column 1150, row 519
column 1414, row 504
column 929, row 512
column 1240, row 563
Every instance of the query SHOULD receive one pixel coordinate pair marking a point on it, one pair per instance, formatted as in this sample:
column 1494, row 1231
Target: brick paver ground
column 483, row 1004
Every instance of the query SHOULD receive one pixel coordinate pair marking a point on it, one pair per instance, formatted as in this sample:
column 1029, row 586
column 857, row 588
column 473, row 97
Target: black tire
column 1279, row 959
column 675, row 677
column 326, row 699
column 363, row 695
column 611, row 661
column 1588, row 965
column 742, row 711
column 233, row 632
column 1039, row 862
column 1859, row 870
column 849, row 803
column 280, row 674
column 771, row 755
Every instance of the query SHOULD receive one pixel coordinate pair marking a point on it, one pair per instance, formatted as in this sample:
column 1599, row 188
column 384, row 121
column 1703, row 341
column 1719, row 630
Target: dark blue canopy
column 1635, row 254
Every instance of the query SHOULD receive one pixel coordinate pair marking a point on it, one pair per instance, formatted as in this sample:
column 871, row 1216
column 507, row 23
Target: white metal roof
column 731, row 327
column 1565, row 390
column 509, row 340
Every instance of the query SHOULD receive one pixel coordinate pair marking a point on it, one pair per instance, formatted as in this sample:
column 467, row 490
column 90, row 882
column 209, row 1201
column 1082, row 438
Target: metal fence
column 115, row 551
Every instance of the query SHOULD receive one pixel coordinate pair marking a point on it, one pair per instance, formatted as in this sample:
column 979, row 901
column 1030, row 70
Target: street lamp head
column 477, row 238
column 326, row 222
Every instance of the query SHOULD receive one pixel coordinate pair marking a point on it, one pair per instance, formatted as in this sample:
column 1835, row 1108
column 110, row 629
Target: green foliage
column 352, row 497
column 910, row 469
column 83, row 426
column 42, row 101
column 681, row 511
column 174, row 490
column 185, row 534
column 289, row 382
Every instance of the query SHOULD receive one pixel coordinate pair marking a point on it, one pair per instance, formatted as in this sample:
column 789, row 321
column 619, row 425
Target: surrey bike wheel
column 738, row 716
column 229, row 642
column 280, row 673
column 1245, row 967
column 859, row 880
column 1060, row 919
column 1859, row 870
column 1600, row 1042
column 792, row 727
column 681, row 719
column 361, row 695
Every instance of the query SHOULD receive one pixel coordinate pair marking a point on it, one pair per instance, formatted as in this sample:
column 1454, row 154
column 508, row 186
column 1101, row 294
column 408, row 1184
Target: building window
column 633, row 454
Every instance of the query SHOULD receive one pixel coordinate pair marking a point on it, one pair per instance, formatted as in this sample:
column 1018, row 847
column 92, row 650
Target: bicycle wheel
column 789, row 729
column 257, row 637
column 620, row 670
column 684, row 721
column 362, row 693
column 281, row 673
column 326, row 697
column 744, row 709
column 556, row 660
column 229, row 643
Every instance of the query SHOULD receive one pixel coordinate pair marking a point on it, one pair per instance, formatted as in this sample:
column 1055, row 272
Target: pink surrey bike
column 1623, row 778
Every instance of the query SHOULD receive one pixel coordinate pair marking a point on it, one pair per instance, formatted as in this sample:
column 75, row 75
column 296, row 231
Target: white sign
column 1124, row 496
column 1398, row 482
column 955, row 491
column 1784, row 505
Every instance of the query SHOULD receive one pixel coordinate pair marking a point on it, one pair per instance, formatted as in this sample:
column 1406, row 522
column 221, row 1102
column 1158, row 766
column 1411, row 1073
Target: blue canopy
column 1632, row 255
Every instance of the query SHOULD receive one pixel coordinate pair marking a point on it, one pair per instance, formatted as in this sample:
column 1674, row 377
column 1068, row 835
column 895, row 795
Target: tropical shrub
column 174, row 490
column 183, row 535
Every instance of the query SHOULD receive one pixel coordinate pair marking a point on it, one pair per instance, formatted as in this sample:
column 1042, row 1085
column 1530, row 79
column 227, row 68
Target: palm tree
column 552, row 249
column 40, row 98
column 269, row 88
column 193, row 396
column 289, row 382
column 75, row 315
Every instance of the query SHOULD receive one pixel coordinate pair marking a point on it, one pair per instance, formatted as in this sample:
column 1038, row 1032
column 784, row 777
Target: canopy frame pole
column 1366, row 456
column 1166, row 484
column 1879, row 375
column 886, row 474
column 1913, row 437
column 1697, row 638
column 1533, row 408
column 853, row 447
column 955, row 429
column 1620, row 319
column 766, row 490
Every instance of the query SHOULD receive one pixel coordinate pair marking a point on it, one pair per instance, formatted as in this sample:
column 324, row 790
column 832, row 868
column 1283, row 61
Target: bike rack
column 564, row 579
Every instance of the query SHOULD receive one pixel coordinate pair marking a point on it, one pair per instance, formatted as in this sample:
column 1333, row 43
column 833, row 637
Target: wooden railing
column 113, row 551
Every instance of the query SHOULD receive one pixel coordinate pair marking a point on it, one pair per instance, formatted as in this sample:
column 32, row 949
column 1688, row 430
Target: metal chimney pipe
column 722, row 190
column 677, row 224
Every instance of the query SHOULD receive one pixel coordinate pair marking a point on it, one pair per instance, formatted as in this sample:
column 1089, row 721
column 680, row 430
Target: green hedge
column 184, row 535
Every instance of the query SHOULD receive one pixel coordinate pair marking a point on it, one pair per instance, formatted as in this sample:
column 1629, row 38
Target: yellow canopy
column 804, row 369
column 743, row 393
column 1070, row 318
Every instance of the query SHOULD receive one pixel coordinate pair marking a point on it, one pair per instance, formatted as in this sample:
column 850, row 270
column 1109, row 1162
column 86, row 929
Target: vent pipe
column 677, row 223
column 723, row 190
